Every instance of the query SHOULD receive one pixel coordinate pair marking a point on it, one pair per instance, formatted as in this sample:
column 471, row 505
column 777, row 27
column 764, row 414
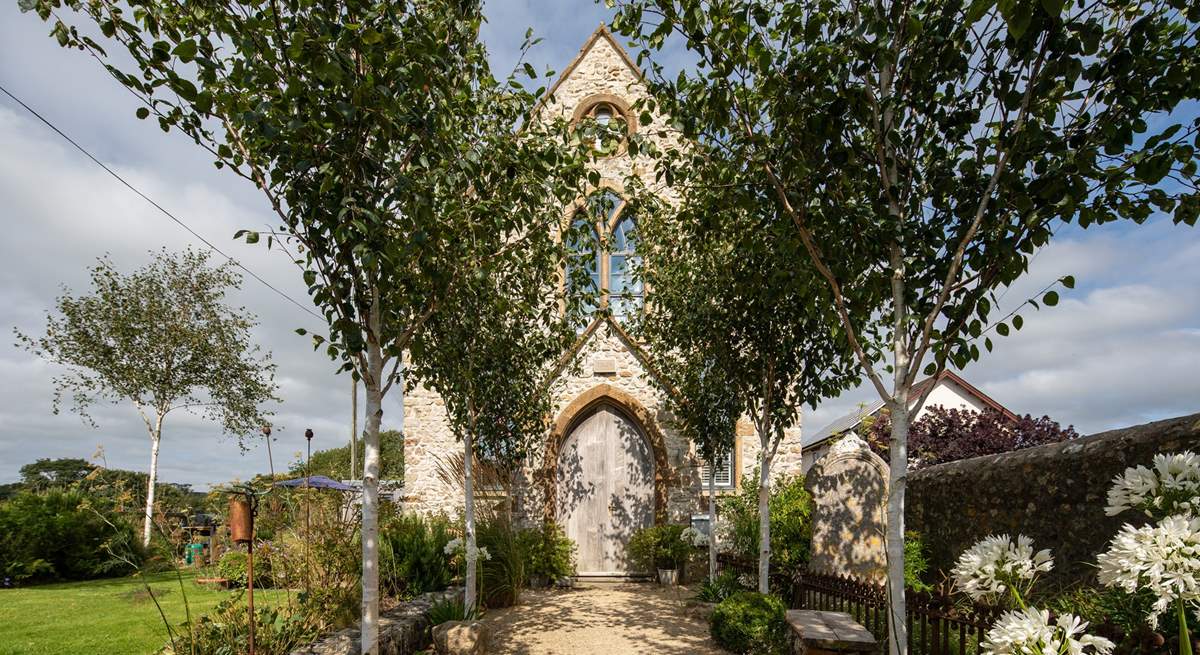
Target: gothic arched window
column 584, row 260
column 609, row 256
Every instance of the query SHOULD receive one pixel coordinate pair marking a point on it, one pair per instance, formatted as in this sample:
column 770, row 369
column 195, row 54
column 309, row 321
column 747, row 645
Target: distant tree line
column 120, row 487
column 335, row 462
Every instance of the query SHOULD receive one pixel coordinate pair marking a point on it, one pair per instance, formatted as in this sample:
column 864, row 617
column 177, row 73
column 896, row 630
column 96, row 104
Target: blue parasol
column 316, row 482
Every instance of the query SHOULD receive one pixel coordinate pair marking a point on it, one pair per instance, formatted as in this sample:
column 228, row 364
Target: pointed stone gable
column 601, row 67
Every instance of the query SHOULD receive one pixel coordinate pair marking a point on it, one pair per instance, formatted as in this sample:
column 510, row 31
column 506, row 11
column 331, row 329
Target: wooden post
column 353, row 426
column 308, row 436
column 250, row 582
column 241, row 529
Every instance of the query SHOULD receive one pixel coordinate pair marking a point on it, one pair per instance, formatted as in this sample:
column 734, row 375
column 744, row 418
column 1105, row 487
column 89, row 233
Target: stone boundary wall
column 403, row 630
column 1055, row 494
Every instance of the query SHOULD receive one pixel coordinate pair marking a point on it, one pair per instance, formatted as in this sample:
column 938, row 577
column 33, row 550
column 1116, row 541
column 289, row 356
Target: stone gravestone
column 849, row 490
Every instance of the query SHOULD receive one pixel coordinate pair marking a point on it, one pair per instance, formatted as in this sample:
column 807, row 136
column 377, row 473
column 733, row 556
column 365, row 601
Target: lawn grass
column 102, row 617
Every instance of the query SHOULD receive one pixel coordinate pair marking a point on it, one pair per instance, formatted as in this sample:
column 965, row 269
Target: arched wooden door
column 605, row 489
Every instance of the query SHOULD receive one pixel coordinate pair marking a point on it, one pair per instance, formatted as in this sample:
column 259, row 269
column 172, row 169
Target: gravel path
column 601, row 619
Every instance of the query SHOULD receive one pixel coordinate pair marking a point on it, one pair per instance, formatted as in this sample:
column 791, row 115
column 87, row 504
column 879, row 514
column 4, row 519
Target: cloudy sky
column 1123, row 347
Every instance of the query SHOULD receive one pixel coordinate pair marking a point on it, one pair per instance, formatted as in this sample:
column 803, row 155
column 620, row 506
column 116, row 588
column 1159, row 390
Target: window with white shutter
column 724, row 471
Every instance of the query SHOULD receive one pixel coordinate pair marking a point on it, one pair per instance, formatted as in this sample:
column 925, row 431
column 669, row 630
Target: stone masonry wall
column 403, row 630
column 1055, row 494
column 604, row 360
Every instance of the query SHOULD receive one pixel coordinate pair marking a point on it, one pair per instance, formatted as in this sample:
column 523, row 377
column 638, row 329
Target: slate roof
column 841, row 424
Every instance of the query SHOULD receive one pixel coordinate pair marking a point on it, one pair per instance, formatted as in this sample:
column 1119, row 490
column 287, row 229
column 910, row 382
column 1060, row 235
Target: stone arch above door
column 580, row 408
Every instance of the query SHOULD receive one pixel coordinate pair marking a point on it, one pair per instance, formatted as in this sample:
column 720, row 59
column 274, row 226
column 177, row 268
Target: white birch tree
column 726, row 300
column 163, row 339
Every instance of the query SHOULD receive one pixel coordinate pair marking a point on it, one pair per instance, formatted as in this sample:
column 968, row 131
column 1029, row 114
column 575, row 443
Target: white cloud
column 1121, row 348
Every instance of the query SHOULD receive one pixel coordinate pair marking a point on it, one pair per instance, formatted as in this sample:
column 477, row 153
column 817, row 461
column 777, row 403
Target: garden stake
column 241, row 527
column 308, row 435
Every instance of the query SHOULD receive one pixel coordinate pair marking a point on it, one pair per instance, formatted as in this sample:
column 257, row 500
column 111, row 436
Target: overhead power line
column 159, row 207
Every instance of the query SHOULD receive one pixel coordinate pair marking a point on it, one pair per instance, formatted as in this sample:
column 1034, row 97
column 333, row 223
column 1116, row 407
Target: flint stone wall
column 403, row 630
column 849, row 489
column 1055, row 494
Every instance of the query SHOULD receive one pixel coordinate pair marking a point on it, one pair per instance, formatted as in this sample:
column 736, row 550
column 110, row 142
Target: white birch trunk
column 155, row 441
column 712, row 520
column 764, row 519
column 370, row 481
column 898, row 466
column 354, row 427
column 469, row 599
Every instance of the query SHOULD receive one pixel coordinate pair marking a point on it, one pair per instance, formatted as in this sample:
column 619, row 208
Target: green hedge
column 750, row 622
column 61, row 535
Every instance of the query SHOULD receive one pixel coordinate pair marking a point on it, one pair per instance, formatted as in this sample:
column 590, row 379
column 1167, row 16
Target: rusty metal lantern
column 241, row 520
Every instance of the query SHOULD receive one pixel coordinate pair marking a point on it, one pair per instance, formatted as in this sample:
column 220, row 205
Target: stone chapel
column 611, row 461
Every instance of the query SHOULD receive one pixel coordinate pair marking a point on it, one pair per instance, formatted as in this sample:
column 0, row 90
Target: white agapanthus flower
column 1163, row 558
column 1171, row 485
column 455, row 547
column 998, row 565
column 481, row 553
column 1030, row 632
column 725, row 537
column 693, row 537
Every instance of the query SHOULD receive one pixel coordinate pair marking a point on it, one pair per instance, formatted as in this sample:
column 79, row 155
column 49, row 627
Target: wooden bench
column 828, row 633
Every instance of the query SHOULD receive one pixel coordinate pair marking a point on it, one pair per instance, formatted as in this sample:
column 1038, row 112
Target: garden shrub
column 915, row 562
column 750, row 622
column 60, row 535
column 232, row 567
column 324, row 558
column 412, row 556
column 659, row 547
column 549, row 551
column 451, row 609
column 791, row 522
column 502, row 575
column 715, row 590
column 278, row 630
column 1117, row 615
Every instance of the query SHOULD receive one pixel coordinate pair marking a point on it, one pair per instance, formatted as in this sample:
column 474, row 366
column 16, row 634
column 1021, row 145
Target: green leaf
column 1017, row 16
column 1054, row 7
column 1051, row 298
column 251, row 237
column 186, row 50
column 1002, row 329
column 1068, row 281
column 977, row 9
column 143, row 113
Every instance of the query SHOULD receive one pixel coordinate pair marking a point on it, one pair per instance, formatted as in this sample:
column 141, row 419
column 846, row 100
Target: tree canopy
column 163, row 338
column 948, row 434
column 731, row 309
column 335, row 462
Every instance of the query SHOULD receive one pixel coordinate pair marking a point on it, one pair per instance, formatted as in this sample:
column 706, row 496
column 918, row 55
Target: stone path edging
column 403, row 630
